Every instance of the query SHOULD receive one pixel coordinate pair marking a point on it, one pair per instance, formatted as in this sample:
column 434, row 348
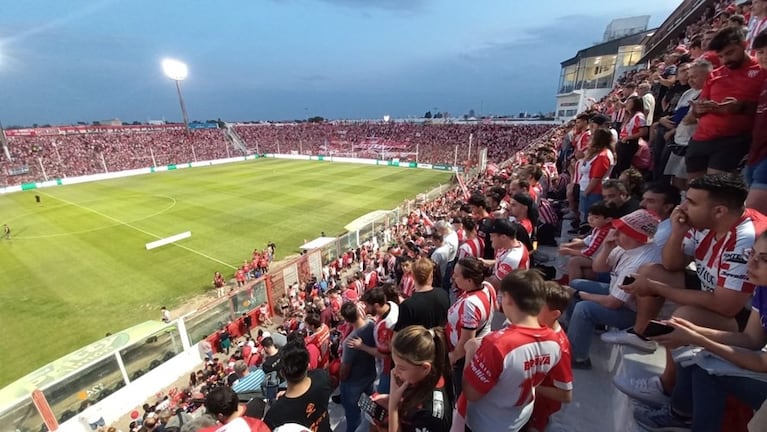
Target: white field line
column 120, row 222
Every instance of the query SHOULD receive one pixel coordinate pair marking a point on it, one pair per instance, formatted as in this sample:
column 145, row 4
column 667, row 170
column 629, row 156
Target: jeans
column 586, row 315
column 350, row 394
column 384, row 382
column 703, row 395
column 586, row 202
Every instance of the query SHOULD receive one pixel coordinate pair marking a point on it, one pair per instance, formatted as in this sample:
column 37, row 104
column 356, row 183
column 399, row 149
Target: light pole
column 177, row 71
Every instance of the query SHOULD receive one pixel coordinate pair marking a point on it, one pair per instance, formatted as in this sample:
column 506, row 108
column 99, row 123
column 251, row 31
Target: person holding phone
column 703, row 409
column 725, row 109
column 626, row 248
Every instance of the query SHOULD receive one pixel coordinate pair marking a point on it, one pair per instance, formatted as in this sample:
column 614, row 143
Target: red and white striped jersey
column 506, row 261
column 722, row 263
column 383, row 332
column 507, row 367
column 472, row 247
column 472, row 311
column 321, row 339
column 407, row 285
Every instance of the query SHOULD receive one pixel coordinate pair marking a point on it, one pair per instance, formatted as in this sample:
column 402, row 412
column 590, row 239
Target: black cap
column 503, row 226
column 600, row 119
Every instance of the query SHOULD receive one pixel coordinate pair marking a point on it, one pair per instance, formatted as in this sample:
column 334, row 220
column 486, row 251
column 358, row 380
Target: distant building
column 593, row 71
column 622, row 27
column 111, row 122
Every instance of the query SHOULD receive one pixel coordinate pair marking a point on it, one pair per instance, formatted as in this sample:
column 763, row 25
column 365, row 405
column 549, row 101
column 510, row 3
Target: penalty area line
column 123, row 223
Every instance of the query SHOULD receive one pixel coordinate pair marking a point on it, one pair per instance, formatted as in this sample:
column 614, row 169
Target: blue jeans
column 586, row 315
column 703, row 396
column 586, row 202
column 384, row 382
column 350, row 394
column 756, row 175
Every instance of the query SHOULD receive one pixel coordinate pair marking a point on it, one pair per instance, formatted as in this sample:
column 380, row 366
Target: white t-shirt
column 662, row 233
column 648, row 101
column 625, row 262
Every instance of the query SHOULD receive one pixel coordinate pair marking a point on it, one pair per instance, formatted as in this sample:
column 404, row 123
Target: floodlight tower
column 177, row 71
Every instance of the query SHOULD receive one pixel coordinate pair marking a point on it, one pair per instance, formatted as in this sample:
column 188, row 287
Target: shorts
column 676, row 166
column 691, row 280
column 756, row 175
column 586, row 202
column 722, row 154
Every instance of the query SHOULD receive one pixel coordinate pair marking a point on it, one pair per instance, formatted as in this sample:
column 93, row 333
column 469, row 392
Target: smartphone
column 372, row 411
column 628, row 280
column 657, row 328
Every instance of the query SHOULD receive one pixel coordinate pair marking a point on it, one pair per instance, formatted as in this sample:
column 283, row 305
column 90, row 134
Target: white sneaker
column 624, row 337
column 647, row 390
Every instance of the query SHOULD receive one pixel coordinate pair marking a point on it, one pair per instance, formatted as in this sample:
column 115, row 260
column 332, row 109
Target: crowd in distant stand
column 434, row 143
column 93, row 153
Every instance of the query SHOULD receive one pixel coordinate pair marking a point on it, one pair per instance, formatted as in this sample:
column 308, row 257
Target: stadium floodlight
column 386, row 118
column 177, row 71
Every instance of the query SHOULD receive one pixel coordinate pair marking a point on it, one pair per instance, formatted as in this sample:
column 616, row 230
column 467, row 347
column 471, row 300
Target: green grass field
column 76, row 266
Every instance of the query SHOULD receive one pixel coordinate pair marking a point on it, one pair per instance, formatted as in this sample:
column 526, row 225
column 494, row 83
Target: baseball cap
column 640, row 225
column 503, row 226
column 600, row 119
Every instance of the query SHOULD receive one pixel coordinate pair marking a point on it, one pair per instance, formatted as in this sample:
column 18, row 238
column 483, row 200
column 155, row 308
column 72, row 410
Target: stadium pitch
column 76, row 266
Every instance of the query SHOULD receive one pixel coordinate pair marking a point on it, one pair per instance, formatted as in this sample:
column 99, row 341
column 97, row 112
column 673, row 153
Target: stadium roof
column 607, row 48
column 687, row 13
column 73, row 362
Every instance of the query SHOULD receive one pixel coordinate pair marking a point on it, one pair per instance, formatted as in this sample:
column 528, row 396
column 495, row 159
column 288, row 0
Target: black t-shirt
column 483, row 232
column 629, row 206
column 309, row 409
column 434, row 415
column 271, row 363
column 428, row 309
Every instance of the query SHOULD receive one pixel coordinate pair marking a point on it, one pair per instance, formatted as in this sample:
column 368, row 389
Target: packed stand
column 427, row 143
column 455, row 319
column 82, row 154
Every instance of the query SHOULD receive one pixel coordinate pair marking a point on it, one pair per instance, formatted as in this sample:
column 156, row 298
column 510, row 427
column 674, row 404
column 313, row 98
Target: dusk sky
column 84, row 60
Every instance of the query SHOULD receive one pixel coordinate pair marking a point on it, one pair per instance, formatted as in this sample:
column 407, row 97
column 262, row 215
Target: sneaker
column 663, row 419
column 647, row 390
column 628, row 337
column 570, row 215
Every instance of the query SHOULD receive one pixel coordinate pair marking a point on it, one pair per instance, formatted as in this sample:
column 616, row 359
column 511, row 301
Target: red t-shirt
column 758, row 150
column 743, row 84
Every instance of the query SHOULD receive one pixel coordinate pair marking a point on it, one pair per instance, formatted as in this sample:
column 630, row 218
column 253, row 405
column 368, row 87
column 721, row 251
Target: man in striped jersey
column 713, row 228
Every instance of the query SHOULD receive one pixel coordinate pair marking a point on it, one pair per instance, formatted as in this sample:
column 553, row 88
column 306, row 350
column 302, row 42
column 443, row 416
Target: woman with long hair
column 593, row 169
column 471, row 314
column 523, row 209
column 421, row 395
column 632, row 130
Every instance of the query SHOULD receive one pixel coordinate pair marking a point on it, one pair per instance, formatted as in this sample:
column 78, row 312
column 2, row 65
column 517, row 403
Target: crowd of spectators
column 78, row 154
column 444, row 321
column 426, row 142
column 453, row 315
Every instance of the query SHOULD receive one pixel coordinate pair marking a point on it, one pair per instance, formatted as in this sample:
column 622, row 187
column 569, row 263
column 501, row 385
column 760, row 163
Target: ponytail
column 417, row 345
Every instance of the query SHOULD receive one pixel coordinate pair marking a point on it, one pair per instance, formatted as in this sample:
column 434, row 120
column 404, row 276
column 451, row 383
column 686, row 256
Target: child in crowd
column 626, row 249
column 581, row 251
column 549, row 397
